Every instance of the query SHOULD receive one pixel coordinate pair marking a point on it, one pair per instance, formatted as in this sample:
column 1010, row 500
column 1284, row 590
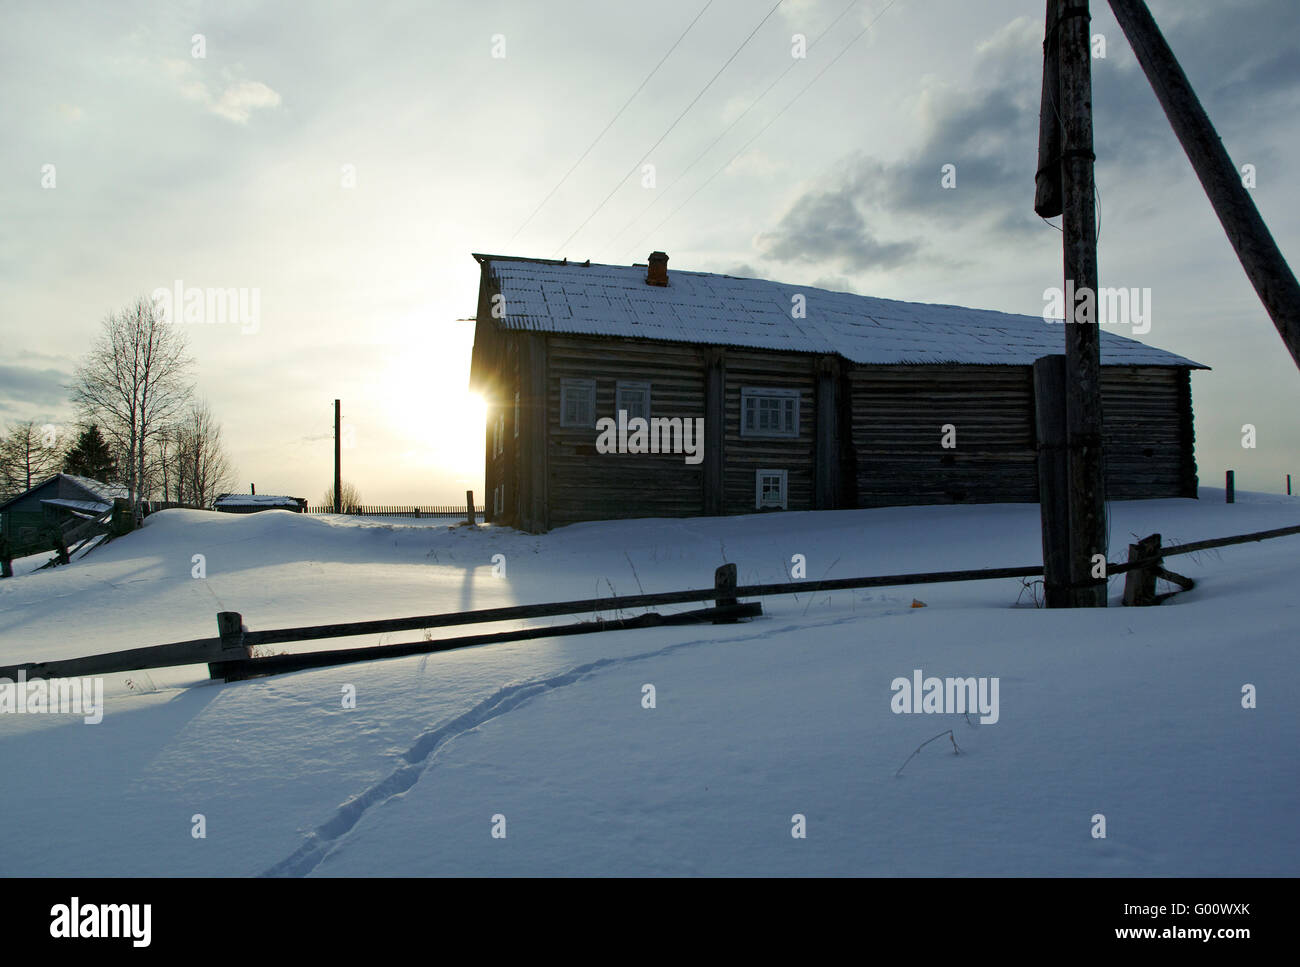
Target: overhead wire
column 670, row 128
column 617, row 115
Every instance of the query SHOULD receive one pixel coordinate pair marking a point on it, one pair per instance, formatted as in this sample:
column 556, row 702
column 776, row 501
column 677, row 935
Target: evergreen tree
column 91, row 457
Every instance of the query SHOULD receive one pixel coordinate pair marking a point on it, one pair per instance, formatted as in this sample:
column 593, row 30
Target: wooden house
column 62, row 503
column 807, row 399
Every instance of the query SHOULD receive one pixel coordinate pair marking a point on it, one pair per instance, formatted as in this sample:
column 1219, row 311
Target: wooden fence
column 399, row 510
column 230, row 654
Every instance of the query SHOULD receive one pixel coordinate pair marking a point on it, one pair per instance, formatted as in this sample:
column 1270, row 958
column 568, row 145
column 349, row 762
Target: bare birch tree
column 28, row 456
column 133, row 383
column 193, row 459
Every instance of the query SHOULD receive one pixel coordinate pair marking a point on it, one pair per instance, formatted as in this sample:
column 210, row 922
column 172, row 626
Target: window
column 769, row 412
column 577, row 402
column 633, row 397
column 770, row 489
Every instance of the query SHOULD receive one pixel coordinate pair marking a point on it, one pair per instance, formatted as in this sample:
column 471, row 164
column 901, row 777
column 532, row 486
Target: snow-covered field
column 1134, row 714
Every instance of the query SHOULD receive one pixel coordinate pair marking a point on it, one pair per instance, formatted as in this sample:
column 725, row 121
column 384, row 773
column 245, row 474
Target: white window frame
column 783, row 476
column 748, row 393
column 570, row 387
column 631, row 387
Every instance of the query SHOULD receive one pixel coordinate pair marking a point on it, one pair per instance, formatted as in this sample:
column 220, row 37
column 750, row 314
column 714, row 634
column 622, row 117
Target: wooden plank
column 1053, row 481
column 279, row 664
column 1140, row 583
column 724, row 585
column 1194, row 546
column 827, row 473
column 715, row 418
column 199, row 651
column 1267, row 269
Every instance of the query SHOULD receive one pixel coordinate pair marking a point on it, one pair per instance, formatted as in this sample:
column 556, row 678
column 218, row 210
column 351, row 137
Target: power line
column 695, row 99
column 605, row 130
column 746, row 145
column 743, row 114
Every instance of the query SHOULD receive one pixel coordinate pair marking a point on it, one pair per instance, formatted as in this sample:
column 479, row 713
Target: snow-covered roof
column 90, row 506
column 256, row 500
column 702, row 307
column 104, row 491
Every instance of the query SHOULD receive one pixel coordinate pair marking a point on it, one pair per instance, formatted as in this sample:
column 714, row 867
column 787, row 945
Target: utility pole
column 1267, row 270
column 1067, row 105
column 338, row 456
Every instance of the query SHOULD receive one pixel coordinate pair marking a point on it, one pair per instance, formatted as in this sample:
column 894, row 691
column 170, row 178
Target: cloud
column 827, row 225
column 30, row 387
column 237, row 99
column 990, row 135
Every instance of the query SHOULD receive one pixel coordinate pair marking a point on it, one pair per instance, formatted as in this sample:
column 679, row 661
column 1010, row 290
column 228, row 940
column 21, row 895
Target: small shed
column 252, row 503
column 58, row 503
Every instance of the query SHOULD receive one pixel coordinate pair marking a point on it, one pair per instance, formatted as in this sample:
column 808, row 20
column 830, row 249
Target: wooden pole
column 1267, row 270
column 338, row 461
column 1083, row 417
column 1047, row 180
column 1230, row 487
column 469, row 508
column 1053, row 489
column 1288, row 485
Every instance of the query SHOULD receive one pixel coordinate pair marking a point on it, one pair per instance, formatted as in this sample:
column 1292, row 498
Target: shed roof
column 256, row 500
column 98, row 492
column 714, row 309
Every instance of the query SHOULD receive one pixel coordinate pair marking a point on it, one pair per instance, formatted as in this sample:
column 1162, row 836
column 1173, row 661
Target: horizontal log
column 279, row 664
column 199, row 651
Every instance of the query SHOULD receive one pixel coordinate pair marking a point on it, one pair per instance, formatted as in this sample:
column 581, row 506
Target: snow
column 1132, row 713
column 701, row 307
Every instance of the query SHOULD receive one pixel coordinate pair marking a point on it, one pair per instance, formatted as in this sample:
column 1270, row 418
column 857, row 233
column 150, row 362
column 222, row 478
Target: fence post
column 1288, row 485
column 6, row 560
column 230, row 626
column 1230, row 488
column 1140, row 584
column 469, row 508
column 724, row 586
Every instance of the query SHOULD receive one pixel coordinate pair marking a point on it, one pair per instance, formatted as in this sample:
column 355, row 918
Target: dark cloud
column 828, row 226
column 31, row 387
column 990, row 135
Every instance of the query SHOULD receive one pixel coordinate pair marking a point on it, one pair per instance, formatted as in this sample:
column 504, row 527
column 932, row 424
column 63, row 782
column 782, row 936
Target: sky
column 338, row 164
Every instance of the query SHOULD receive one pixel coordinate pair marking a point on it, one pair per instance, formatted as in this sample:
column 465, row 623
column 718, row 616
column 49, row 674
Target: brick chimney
column 657, row 274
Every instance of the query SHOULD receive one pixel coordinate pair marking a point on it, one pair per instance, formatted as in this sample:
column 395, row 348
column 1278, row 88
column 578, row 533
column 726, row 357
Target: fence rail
column 229, row 655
